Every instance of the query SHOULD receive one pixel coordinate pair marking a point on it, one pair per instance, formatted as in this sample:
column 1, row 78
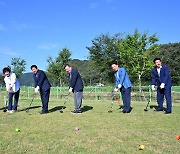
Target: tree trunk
column 60, row 82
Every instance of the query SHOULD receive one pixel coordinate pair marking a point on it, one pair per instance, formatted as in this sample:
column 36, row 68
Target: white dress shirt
column 12, row 82
column 158, row 70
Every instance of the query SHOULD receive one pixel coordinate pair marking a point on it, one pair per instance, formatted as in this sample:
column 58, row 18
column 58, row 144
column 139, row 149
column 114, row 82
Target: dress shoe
column 167, row 112
column 76, row 112
column 123, row 111
column 43, row 112
column 157, row 110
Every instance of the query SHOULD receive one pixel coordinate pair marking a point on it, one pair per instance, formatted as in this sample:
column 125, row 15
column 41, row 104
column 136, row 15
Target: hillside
column 26, row 79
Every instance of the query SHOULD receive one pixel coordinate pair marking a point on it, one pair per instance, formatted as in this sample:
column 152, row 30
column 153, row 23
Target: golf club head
column 5, row 110
column 110, row 111
column 145, row 110
column 27, row 110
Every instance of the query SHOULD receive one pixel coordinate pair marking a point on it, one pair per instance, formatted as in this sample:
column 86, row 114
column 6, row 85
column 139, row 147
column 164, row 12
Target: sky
column 36, row 29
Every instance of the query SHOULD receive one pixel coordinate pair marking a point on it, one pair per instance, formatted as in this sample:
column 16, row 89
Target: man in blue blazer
column 41, row 83
column 76, row 86
column 124, row 84
column 161, row 78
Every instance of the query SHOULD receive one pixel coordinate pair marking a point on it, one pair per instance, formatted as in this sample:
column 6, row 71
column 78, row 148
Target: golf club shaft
column 67, row 97
column 31, row 102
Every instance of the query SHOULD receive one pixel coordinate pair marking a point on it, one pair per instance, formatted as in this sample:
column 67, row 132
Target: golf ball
column 141, row 147
column 17, row 129
column 76, row 129
column 178, row 137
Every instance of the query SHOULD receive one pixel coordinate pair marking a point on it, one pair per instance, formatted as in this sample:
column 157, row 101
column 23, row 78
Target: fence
column 100, row 93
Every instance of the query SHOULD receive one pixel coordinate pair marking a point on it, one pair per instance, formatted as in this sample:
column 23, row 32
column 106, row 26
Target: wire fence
column 143, row 93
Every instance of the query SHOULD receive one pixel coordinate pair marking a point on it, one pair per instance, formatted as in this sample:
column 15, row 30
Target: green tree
column 18, row 66
column 1, row 80
column 56, row 67
column 169, row 54
column 135, row 51
column 102, row 52
column 89, row 75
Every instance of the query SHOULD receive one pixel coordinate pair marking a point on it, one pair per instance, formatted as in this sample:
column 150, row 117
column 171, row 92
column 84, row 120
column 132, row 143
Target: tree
column 1, row 80
column 56, row 67
column 89, row 75
column 135, row 51
column 18, row 66
column 169, row 54
column 102, row 52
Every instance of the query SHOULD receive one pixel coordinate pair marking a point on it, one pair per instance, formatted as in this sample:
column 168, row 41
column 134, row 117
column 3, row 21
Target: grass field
column 99, row 131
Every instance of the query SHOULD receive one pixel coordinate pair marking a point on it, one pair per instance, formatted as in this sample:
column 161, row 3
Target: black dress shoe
column 167, row 112
column 43, row 112
column 125, row 111
column 76, row 112
column 158, row 110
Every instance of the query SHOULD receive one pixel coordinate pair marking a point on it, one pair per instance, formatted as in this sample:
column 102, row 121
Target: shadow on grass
column 3, row 108
column 57, row 108
column 86, row 108
column 33, row 107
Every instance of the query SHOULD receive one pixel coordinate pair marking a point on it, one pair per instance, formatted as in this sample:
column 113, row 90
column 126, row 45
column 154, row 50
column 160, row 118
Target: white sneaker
column 12, row 111
column 9, row 111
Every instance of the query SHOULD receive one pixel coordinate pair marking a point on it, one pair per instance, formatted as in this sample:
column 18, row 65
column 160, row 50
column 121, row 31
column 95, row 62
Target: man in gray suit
column 76, row 86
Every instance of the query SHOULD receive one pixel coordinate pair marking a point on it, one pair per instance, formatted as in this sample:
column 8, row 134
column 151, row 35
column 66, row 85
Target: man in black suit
column 75, row 86
column 41, row 83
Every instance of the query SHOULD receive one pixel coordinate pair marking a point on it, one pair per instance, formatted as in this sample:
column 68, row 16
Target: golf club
column 147, row 106
column 66, row 99
column 119, row 103
column 148, row 101
column 27, row 110
column 112, row 102
column 6, row 103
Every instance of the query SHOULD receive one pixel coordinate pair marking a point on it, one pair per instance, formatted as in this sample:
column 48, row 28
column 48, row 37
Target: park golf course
column 99, row 131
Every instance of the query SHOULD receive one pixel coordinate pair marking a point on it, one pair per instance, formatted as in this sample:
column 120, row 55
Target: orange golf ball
column 178, row 137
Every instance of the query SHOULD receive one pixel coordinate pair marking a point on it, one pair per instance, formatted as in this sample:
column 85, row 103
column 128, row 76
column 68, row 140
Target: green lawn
column 99, row 131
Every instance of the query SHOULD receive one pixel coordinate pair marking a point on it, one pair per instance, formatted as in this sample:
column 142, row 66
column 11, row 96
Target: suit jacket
column 122, row 78
column 41, row 80
column 76, row 81
column 163, row 78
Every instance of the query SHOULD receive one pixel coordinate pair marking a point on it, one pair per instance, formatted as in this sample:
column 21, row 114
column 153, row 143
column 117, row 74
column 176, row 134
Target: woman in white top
column 13, row 89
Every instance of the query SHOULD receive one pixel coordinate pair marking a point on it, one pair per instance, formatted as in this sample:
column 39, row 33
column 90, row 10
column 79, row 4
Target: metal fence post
column 28, row 93
column 57, row 90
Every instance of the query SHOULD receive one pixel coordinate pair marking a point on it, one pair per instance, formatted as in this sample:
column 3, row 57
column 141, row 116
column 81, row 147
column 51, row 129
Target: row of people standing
column 42, row 85
column 160, row 77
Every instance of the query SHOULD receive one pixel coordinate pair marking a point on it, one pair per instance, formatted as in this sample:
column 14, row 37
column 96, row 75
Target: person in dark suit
column 123, row 84
column 161, row 77
column 41, row 83
column 76, row 86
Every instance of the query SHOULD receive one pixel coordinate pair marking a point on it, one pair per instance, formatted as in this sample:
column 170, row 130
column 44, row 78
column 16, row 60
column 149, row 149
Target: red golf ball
column 178, row 137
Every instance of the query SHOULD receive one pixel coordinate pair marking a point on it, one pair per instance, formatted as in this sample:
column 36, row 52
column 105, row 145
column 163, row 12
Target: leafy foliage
column 18, row 66
column 102, row 52
column 89, row 75
column 135, row 51
column 132, row 51
column 170, row 55
column 55, row 70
